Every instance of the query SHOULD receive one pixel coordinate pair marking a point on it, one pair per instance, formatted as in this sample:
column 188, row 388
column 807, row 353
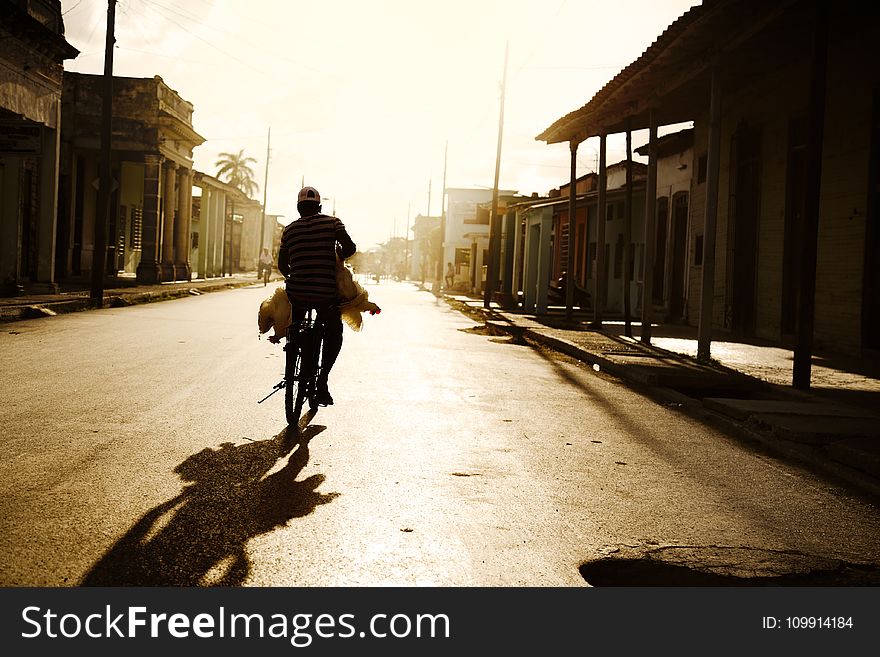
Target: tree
column 236, row 168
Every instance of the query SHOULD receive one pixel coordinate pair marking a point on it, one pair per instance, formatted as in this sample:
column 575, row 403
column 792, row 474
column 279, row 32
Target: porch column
column 182, row 268
column 650, row 237
column 169, row 202
column 209, row 223
column 544, row 261
column 48, row 219
column 572, row 207
column 531, row 245
column 803, row 350
column 627, row 234
column 713, row 159
column 518, row 284
column 219, row 210
column 509, row 234
column 148, row 270
column 601, row 282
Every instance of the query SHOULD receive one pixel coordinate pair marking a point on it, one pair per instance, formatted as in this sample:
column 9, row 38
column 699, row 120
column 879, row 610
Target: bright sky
column 362, row 97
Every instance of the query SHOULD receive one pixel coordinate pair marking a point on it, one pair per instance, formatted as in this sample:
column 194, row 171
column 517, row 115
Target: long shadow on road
column 199, row 537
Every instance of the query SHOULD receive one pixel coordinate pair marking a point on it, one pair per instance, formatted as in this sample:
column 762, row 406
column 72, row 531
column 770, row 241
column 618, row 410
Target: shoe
column 322, row 395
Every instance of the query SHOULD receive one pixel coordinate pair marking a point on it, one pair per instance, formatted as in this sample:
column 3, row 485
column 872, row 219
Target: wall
column 770, row 102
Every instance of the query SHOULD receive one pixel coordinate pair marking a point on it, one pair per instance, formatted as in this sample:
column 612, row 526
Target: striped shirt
column 307, row 256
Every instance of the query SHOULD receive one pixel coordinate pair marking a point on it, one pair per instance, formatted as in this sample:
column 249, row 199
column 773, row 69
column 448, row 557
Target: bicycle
column 301, row 368
column 267, row 271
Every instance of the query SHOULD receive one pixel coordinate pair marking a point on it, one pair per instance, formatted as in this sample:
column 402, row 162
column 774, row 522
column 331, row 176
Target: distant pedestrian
column 264, row 266
column 450, row 275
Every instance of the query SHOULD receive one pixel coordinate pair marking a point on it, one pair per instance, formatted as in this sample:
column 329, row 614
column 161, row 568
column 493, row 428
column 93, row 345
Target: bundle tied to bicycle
column 274, row 312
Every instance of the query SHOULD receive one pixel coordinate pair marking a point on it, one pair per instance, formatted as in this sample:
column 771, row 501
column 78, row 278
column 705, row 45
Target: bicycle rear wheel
column 296, row 376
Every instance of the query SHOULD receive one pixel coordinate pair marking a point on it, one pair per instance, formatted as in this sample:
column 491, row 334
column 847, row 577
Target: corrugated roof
column 677, row 59
column 668, row 35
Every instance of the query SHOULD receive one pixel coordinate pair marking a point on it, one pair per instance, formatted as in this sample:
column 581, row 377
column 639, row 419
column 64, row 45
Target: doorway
column 792, row 257
column 871, row 282
column 678, row 256
column 742, row 229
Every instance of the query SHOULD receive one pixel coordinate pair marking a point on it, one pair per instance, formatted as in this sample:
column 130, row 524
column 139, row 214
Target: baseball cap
column 308, row 194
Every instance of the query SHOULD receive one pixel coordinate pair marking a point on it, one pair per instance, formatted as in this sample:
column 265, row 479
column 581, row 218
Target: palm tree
column 236, row 168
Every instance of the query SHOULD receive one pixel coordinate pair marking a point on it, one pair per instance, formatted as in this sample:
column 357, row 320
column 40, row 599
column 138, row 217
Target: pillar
column 572, row 230
column 182, row 226
column 650, row 236
column 168, row 212
column 601, row 281
column 148, row 270
column 48, row 205
column 713, row 160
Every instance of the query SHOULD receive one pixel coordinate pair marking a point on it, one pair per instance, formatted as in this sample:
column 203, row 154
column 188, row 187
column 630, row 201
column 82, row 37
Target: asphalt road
column 133, row 451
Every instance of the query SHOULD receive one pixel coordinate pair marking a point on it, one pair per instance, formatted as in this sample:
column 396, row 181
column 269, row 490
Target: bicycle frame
column 303, row 350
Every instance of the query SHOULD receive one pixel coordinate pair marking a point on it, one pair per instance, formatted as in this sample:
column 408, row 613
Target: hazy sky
column 362, row 96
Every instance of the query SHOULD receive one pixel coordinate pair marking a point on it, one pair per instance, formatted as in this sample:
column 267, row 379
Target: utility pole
column 494, row 220
column 627, row 233
column 99, row 255
column 406, row 244
column 265, row 190
column 439, row 267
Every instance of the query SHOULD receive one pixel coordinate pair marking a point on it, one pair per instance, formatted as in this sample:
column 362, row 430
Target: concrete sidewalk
column 745, row 389
column 124, row 292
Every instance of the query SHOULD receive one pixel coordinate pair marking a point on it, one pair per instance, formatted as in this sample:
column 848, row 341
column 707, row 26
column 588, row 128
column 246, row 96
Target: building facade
column 783, row 244
column 672, row 258
column 149, row 232
column 32, row 54
column 466, row 239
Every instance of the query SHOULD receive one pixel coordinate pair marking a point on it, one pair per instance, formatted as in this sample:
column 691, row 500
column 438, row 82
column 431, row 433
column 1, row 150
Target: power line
column 79, row 2
column 198, row 21
column 156, row 7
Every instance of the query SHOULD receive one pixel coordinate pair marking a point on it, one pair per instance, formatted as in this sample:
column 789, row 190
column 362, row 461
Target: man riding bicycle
column 307, row 259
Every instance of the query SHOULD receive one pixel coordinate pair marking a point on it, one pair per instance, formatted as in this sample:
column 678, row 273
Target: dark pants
column 331, row 319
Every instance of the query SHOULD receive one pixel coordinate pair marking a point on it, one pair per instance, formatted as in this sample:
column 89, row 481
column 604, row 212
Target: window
column 462, row 258
column 618, row 257
column 698, row 251
column 701, row 169
column 481, row 217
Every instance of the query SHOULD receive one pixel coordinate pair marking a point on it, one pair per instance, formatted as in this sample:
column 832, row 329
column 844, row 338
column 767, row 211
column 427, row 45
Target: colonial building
column 466, row 239
column 149, row 229
column 543, row 254
column 32, row 52
column 675, row 160
column 783, row 241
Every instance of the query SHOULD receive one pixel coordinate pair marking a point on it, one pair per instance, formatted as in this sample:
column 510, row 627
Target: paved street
column 133, row 452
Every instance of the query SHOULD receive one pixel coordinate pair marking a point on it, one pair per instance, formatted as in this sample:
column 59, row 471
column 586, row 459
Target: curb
column 52, row 308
